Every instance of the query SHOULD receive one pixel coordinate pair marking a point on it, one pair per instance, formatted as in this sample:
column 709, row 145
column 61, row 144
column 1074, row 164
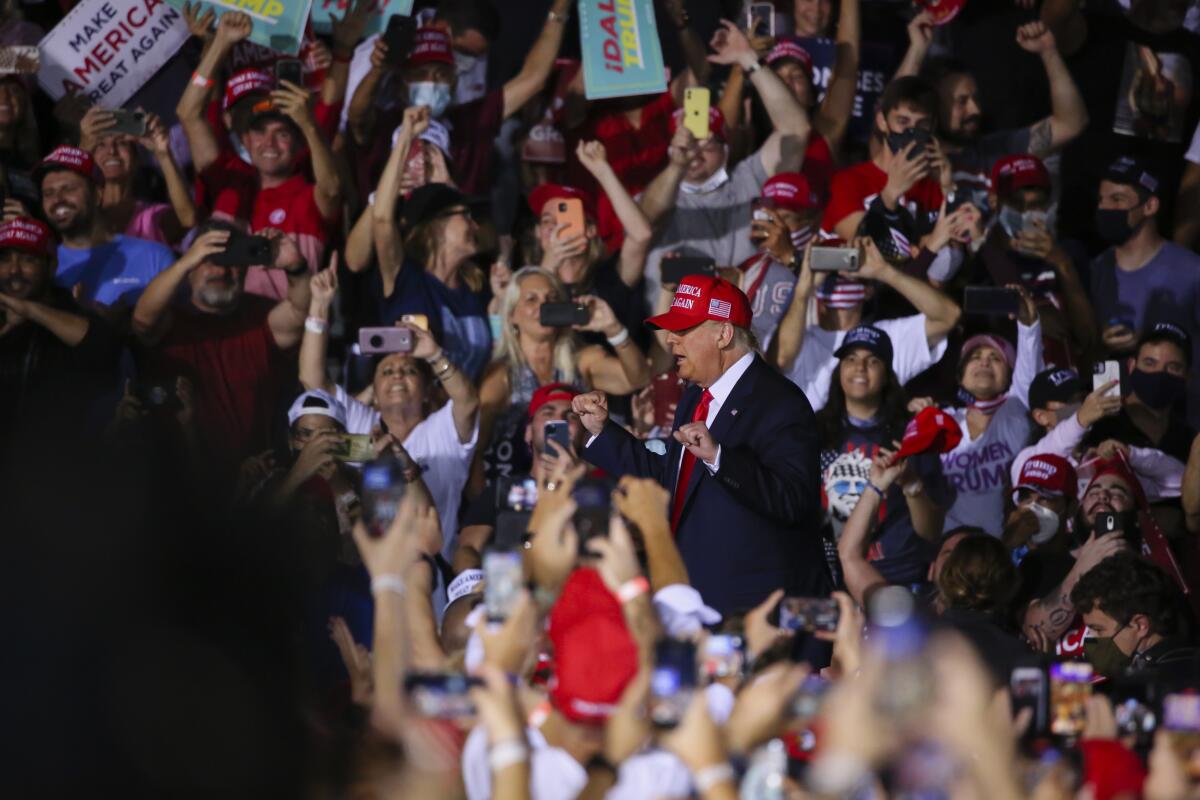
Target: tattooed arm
column 1048, row 618
column 1068, row 114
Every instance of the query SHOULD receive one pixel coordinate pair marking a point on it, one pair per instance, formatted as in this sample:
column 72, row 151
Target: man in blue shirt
column 112, row 270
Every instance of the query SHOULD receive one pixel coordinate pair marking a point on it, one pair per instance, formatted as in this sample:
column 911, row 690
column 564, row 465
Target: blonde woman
column 529, row 354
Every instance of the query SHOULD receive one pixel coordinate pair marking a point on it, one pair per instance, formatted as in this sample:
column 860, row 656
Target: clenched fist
column 592, row 409
column 696, row 437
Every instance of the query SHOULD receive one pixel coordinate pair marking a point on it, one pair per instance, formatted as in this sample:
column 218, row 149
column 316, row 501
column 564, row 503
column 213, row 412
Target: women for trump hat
column 700, row 298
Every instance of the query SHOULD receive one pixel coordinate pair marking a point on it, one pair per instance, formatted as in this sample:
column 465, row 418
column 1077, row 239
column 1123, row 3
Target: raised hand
column 592, row 410
column 730, row 45
column 1036, row 38
column 233, row 27
column 205, row 246
column 294, row 102
column 199, row 20
column 593, row 156
column 357, row 660
column 699, row 441
column 416, row 121
column 324, row 285
column 1027, row 313
column 348, row 30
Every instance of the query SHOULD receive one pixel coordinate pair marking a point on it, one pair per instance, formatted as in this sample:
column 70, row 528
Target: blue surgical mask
column 434, row 95
column 1011, row 221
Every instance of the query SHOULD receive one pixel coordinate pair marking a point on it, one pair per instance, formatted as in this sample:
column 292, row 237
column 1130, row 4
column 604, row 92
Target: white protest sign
column 107, row 49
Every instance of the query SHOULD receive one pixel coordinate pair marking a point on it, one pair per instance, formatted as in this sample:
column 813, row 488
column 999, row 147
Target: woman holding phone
column 530, row 354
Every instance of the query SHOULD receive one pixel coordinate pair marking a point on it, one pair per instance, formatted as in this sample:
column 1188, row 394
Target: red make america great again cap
column 700, row 298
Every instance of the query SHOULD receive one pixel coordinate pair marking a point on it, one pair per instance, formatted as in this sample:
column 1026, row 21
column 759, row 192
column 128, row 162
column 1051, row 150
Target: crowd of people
column 824, row 425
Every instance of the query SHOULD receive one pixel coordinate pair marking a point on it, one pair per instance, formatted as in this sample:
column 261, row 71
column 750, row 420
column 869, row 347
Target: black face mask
column 1112, row 225
column 1158, row 390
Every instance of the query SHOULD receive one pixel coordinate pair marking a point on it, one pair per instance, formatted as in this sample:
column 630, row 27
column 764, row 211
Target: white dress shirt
column 720, row 393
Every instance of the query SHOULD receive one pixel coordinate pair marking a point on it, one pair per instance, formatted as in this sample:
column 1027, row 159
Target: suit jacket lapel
column 730, row 411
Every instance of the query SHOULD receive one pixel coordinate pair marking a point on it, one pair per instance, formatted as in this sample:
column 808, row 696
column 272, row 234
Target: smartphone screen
column 1027, row 688
column 672, row 681
column 592, row 510
column 991, row 301
column 399, row 37
column 568, row 211
column 290, row 70
column 808, row 614
column 1103, row 373
column 441, row 695
column 503, row 577
column 1181, row 718
column 1070, row 688
column 696, row 102
column 559, row 431
column 760, row 20
column 722, row 656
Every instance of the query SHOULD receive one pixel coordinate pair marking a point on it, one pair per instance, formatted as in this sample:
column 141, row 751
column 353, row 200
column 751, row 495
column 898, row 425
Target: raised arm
column 287, row 317
column 1068, row 114
column 360, row 115
column 694, row 53
column 638, row 232
column 920, row 36
column 1029, row 347
column 789, row 336
column 232, row 28
column 857, row 572
column 150, row 315
column 389, row 249
column 183, row 216
column 659, row 198
column 296, row 102
column 460, row 388
column 315, row 342
column 941, row 313
column 833, row 117
column 347, row 33
column 629, row 370
column 783, row 151
column 1049, row 617
column 540, row 61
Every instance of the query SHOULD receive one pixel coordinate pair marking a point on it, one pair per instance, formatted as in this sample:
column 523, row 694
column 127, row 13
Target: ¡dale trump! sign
column 107, row 49
column 621, row 52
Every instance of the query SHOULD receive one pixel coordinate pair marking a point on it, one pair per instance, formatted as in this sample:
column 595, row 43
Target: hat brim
column 846, row 349
column 1042, row 490
column 673, row 321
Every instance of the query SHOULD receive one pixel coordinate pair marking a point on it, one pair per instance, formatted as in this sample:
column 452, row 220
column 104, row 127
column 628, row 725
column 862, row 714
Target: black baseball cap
column 1054, row 385
column 1132, row 171
column 1169, row 332
column 869, row 338
column 431, row 200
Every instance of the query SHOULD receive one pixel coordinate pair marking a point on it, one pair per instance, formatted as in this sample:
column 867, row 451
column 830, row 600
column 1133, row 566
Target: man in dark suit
column 743, row 466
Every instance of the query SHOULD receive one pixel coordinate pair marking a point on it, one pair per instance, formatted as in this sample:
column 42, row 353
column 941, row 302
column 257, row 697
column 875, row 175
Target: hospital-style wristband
column 633, row 588
column 201, row 81
column 315, row 325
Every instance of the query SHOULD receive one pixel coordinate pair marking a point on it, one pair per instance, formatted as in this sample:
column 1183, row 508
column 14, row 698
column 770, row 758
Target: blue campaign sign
column 621, row 52
column 278, row 24
column 877, row 63
column 381, row 10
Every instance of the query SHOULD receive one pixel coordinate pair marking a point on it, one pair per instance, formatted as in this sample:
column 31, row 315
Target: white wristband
column 620, row 339
column 314, row 325
column 387, row 583
column 463, row 584
column 709, row 777
column 504, row 754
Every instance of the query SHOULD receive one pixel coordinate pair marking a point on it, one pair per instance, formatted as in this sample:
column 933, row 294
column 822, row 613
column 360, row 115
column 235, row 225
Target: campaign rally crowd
column 432, row 410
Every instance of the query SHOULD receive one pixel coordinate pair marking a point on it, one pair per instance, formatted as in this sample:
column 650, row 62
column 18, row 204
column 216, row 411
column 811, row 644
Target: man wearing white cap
column 805, row 352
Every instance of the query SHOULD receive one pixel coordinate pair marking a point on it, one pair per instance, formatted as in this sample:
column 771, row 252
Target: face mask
column 434, row 95
column 1010, row 221
column 464, row 62
column 1158, row 390
column 802, row 236
column 1106, row 657
column 1112, row 225
column 1048, row 521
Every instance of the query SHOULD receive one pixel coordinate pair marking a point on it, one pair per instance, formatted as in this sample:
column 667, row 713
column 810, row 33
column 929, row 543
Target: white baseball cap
column 320, row 403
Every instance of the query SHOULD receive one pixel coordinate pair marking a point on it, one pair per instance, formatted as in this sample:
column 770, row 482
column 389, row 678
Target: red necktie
column 688, row 462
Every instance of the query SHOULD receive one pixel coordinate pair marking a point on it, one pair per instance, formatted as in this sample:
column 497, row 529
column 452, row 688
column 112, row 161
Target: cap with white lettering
column 700, row 298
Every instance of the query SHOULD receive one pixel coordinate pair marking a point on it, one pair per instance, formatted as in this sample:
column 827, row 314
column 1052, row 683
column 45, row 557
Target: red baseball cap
column 28, row 235
column 1019, row 172
column 430, row 45
column 595, row 657
column 700, row 298
column 716, row 123
column 1049, row 475
column 549, row 191
column 790, row 47
column 549, row 393
column 248, row 81
column 791, row 190
column 930, row 430
column 1120, row 467
column 941, row 11
column 72, row 159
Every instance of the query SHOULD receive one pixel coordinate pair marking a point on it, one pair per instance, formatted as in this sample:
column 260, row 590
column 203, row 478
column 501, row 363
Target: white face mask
column 1047, row 523
column 434, row 95
column 464, row 62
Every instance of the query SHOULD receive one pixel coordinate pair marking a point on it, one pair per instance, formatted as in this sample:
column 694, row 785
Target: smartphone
column 372, row 341
column 1027, row 689
column 441, row 695
column 1181, row 718
column 244, row 250
column 156, row 396
column 1134, row 714
column 563, row 315
column 1107, row 522
column 290, row 70
column 516, row 494
column 696, row 103
column 808, row 614
column 557, row 430
column 677, row 268
column 834, row 259
column 383, row 487
column 127, row 121
column 672, row 681
column 593, row 500
column 760, row 20
column 399, row 38
column 898, row 141
column 354, row 448
column 1105, row 372
column 1070, row 688
column 991, row 301
column 667, row 391
column 416, row 320
column 722, row 655
column 503, row 578
column 569, row 211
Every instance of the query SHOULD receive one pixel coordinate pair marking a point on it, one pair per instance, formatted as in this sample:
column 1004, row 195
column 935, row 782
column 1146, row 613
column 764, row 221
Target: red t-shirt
column 232, row 187
column 854, row 188
column 237, row 371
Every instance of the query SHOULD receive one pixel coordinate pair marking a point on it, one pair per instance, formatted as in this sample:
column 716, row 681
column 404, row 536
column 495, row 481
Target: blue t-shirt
column 457, row 317
column 116, row 272
column 1165, row 289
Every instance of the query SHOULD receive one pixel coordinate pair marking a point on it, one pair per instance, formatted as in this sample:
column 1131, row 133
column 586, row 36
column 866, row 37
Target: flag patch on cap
column 720, row 308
